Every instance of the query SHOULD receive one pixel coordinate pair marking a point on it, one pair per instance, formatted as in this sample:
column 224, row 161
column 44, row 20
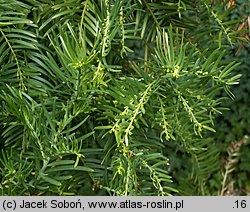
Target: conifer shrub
column 112, row 97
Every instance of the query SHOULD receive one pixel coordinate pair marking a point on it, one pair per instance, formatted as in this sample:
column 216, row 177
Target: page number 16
column 240, row 204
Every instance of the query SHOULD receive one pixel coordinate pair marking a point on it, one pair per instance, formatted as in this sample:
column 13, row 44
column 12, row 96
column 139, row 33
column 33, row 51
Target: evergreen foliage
column 232, row 127
column 112, row 97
